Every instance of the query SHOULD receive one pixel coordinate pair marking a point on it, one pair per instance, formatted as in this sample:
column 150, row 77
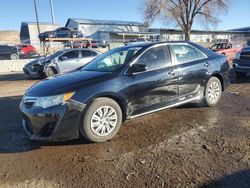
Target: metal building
column 109, row 30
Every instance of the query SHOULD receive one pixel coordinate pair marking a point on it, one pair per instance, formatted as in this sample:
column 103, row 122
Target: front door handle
column 207, row 64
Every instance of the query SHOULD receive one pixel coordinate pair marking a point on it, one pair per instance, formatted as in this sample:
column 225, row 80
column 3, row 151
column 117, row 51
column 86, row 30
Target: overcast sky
column 13, row 12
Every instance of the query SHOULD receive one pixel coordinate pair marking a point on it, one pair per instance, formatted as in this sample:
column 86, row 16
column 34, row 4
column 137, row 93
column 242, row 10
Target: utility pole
column 37, row 22
column 52, row 11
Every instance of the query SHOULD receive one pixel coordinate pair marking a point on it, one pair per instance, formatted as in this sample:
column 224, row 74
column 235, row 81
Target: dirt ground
column 180, row 147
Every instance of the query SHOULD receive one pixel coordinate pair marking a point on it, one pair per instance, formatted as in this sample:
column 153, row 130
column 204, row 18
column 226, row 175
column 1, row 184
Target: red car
column 27, row 49
column 226, row 49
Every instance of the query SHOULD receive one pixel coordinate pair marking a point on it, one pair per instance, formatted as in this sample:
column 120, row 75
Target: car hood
column 40, row 60
column 64, row 83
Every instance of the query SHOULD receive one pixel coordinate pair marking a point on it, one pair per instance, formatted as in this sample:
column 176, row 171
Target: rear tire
column 51, row 35
column 75, row 35
column 31, row 53
column 14, row 56
column 101, row 121
column 212, row 92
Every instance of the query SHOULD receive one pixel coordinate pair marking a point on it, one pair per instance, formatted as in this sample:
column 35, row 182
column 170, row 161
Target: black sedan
column 122, row 84
column 10, row 52
column 61, row 32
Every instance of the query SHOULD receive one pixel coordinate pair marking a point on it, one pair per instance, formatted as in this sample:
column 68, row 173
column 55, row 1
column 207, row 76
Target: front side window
column 155, row 58
column 186, row 53
column 112, row 60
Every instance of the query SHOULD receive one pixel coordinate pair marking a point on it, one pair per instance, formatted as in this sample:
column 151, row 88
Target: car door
column 68, row 61
column 62, row 32
column 193, row 68
column 155, row 88
column 2, row 50
column 5, row 51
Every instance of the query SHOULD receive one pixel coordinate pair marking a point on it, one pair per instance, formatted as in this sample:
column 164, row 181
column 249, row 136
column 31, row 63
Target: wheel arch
column 217, row 75
column 117, row 99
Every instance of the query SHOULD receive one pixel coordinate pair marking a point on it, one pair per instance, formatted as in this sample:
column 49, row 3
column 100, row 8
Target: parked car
column 98, row 44
column 137, row 41
column 226, row 49
column 241, row 63
column 69, row 60
column 35, row 68
column 87, row 44
column 27, row 49
column 61, row 32
column 122, row 84
column 10, row 52
column 59, row 62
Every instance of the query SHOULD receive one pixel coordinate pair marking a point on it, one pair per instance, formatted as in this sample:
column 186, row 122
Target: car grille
column 245, row 56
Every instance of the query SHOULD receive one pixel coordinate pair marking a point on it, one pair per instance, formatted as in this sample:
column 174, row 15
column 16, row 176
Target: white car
column 68, row 60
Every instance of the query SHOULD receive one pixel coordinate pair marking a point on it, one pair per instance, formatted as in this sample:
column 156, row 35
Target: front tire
column 51, row 71
column 212, row 92
column 101, row 120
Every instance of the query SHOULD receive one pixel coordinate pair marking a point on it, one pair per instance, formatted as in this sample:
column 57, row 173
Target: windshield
column 219, row 46
column 112, row 60
column 52, row 56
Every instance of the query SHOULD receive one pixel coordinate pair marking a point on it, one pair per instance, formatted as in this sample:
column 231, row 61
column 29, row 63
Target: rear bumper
column 58, row 123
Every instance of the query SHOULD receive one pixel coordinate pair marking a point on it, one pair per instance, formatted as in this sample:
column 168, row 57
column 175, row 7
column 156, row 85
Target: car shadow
column 12, row 76
column 15, row 76
column 239, row 179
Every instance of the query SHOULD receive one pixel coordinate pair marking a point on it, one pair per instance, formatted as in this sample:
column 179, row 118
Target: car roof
column 73, row 49
column 151, row 44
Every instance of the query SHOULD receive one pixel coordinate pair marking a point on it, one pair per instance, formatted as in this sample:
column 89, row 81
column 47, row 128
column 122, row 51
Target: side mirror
column 63, row 58
column 137, row 68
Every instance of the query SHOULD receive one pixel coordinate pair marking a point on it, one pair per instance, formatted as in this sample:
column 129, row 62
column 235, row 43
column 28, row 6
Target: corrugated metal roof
column 104, row 22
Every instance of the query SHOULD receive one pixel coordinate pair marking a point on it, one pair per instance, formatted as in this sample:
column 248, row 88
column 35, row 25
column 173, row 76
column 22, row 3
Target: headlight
column 46, row 102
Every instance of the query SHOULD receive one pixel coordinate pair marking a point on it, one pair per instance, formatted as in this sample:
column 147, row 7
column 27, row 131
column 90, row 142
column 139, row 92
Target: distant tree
column 185, row 12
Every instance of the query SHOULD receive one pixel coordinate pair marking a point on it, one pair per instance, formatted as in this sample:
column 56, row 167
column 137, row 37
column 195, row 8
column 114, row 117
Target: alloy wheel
column 14, row 56
column 104, row 121
column 214, row 92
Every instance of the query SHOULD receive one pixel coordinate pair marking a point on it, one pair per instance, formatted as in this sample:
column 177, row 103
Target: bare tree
column 185, row 12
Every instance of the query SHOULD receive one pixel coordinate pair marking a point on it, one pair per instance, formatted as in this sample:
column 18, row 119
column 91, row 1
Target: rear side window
column 88, row 53
column 155, row 58
column 186, row 53
column 72, row 54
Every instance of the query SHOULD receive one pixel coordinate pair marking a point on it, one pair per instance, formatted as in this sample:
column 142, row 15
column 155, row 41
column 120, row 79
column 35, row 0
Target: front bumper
column 241, row 66
column 57, row 123
column 33, row 72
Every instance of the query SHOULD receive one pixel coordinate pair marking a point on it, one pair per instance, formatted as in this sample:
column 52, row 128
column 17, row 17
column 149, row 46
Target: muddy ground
column 181, row 147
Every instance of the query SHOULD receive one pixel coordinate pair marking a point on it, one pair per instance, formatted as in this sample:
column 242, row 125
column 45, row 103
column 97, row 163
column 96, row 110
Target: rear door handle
column 171, row 72
column 207, row 64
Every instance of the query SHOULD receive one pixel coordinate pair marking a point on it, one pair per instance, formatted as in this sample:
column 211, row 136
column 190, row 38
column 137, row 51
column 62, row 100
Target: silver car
column 69, row 60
